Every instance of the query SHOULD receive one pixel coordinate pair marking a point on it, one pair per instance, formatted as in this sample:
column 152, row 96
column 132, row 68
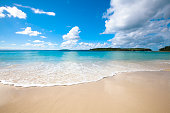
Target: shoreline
column 51, row 85
column 131, row 92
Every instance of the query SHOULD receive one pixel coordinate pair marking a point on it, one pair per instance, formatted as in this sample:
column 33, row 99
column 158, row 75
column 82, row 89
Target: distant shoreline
column 120, row 49
column 165, row 49
column 72, row 50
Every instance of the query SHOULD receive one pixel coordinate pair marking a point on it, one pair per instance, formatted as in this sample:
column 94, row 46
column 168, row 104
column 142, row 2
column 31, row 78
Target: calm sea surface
column 48, row 68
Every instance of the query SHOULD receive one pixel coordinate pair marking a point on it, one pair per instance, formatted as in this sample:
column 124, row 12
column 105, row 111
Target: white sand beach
column 133, row 92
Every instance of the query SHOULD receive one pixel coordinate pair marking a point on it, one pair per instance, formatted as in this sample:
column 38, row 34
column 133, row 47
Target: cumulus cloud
column 84, row 45
column 125, row 15
column 34, row 45
column 71, row 38
column 12, row 12
column 37, row 11
column 153, row 35
column 43, row 36
column 73, row 34
column 138, row 22
column 39, row 43
column 29, row 32
column 71, row 41
column 51, row 44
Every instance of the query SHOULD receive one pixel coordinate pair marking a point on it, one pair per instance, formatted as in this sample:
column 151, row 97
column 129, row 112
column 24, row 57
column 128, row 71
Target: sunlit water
column 48, row 68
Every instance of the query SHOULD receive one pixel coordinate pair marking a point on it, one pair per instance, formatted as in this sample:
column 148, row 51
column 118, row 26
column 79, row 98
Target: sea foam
column 70, row 72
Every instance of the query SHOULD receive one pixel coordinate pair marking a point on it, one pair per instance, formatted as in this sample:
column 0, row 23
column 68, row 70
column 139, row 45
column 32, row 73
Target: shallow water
column 48, row 68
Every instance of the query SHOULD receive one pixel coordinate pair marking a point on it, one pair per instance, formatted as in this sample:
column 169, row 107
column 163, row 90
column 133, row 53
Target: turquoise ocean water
column 47, row 67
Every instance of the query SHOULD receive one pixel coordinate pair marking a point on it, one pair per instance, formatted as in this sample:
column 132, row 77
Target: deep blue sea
column 52, row 67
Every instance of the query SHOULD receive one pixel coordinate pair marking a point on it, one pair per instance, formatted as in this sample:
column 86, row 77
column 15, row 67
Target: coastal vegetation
column 166, row 48
column 120, row 49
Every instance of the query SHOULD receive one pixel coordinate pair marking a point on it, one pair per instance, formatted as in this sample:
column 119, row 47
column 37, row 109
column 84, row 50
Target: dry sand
column 135, row 92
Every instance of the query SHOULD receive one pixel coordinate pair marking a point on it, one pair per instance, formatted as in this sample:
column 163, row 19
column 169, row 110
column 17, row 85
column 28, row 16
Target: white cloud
column 1, row 12
column 37, row 41
column 69, row 43
column 71, row 38
column 153, row 35
column 73, row 34
column 13, row 44
column 84, row 45
column 51, row 44
column 37, row 11
column 12, row 12
column 27, row 44
column 2, row 41
column 138, row 23
column 43, row 36
column 34, row 45
column 29, row 32
column 125, row 15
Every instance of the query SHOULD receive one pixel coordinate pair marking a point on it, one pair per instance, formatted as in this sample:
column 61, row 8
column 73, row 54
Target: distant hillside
column 120, row 49
column 166, row 48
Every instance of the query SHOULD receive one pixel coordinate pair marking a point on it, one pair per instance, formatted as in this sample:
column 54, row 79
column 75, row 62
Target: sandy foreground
column 134, row 92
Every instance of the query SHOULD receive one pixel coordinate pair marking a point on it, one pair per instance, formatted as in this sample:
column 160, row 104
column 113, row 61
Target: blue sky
column 83, row 24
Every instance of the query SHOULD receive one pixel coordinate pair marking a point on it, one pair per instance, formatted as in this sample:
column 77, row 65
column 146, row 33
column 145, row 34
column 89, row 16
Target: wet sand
column 134, row 92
